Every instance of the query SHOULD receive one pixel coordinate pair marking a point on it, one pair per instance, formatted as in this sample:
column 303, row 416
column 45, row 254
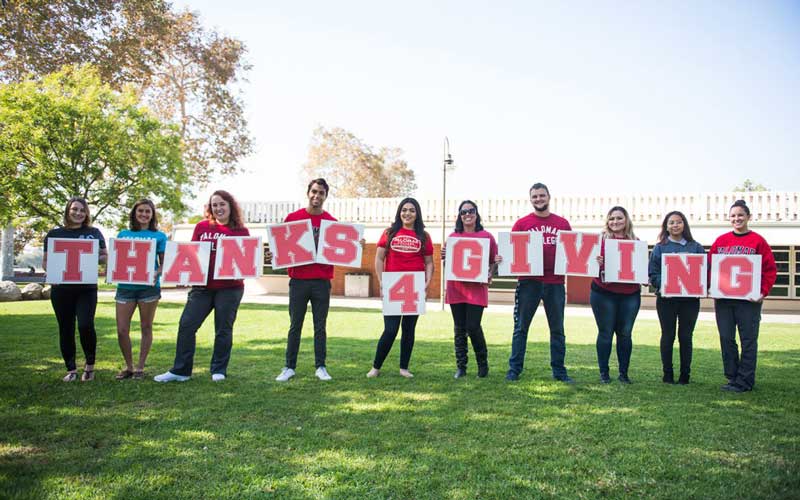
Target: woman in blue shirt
column 675, row 237
column 143, row 225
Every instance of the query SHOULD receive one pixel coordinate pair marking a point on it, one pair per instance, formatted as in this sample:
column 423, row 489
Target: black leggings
column 681, row 312
column 467, row 322
column 390, row 326
column 69, row 303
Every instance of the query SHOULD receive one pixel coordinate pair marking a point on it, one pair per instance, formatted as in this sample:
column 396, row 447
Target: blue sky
column 588, row 97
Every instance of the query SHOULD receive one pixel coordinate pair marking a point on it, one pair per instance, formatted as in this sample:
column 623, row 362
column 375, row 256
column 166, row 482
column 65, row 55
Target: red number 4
column 403, row 291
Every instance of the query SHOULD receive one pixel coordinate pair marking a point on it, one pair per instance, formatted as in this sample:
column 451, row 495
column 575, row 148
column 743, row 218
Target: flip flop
column 123, row 374
column 138, row 375
column 88, row 376
column 70, row 377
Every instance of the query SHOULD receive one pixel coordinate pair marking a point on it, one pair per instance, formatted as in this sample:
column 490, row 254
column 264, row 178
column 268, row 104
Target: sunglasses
column 468, row 211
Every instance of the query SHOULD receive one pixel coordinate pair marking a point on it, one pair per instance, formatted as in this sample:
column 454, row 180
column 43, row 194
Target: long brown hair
column 235, row 220
column 664, row 234
column 87, row 222
column 134, row 225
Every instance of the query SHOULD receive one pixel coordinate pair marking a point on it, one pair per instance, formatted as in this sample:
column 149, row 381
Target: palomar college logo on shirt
column 406, row 244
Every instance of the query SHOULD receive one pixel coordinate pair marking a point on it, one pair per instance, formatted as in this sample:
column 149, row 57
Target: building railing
column 765, row 206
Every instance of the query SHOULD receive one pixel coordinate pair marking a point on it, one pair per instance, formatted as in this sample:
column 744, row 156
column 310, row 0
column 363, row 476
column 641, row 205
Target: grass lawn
column 429, row 437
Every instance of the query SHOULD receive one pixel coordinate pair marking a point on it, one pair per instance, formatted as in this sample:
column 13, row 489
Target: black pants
column 467, row 322
column 199, row 304
column 681, row 312
column 71, row 303
column 318, row 292
column 390, row 326
column 739, row 369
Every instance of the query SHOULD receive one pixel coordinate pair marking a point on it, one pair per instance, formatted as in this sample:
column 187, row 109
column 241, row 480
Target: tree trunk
column 7, row 253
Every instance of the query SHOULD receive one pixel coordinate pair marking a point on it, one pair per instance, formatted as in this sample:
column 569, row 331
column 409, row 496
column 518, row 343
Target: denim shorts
column 143, row 295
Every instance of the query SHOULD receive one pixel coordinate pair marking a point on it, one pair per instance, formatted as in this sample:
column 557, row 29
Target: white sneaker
column 171, row 377
column 323, row 374
column 217, row 377
column 285, row 375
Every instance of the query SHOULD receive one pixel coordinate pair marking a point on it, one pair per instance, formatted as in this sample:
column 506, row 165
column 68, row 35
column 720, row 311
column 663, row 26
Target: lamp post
column 447, row 164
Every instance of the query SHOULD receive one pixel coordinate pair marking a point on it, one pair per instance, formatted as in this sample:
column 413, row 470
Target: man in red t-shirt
column 548, row 288
column 311, row 282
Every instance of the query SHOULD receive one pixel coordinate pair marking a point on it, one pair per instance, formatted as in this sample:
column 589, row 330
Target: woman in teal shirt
column 143, row 225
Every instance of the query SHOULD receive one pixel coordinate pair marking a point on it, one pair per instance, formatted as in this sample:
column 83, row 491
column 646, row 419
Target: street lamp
column 447, row 164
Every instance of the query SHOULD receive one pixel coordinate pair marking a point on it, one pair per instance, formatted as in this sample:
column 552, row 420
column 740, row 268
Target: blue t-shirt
column 145, row 234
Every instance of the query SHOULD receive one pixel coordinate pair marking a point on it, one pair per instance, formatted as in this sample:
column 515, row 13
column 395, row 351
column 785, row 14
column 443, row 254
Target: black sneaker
column 565, row 378
column 512, row 377
column 668, row 378
column 461, row 372
column 683, row 379
column 604, row 378
column 483, row 371
column 733, row 388
column 624, row 378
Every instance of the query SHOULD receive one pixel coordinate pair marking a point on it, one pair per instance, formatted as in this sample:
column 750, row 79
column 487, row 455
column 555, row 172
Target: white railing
column 767, row 206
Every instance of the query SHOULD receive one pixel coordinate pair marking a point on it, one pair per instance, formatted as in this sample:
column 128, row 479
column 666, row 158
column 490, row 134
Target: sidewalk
column 255, row 296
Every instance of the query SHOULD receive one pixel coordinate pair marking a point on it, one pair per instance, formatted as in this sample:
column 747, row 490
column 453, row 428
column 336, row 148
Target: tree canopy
column 185, row 73
column 749, row 185
column 68, row 134
column 354, row 169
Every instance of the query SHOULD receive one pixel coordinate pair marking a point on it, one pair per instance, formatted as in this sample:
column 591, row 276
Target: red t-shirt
column 406, row 252
column 750, row 243
column 549, row 227
column 468, row 292
column 311, row 271
column 206, row 230
column 620, row 288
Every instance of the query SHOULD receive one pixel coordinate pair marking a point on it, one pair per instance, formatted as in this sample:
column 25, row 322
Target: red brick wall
column 368, row 266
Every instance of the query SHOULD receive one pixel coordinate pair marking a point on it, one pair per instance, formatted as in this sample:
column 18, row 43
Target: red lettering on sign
column 467, row 257
column 519, row 260
column 131, row 260
column 239, row 253
column 678, row 276
column 341, row 243
column 403, row 291
column 287, row 251
column 73, row 250
column 577, row 259
column 626, row 249
column 735, row 276
column 186, row 261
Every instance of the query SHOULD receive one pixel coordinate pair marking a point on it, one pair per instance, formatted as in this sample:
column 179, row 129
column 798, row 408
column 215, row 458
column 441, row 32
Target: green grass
column 430, row 437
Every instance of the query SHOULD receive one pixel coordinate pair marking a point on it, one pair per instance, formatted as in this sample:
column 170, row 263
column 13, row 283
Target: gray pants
column 301, row 292
column 201, row 300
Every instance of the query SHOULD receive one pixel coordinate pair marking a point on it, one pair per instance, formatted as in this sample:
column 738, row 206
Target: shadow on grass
column 429, row 437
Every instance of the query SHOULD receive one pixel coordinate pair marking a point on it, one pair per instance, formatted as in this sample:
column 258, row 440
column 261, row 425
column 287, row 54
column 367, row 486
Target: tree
column 68, row 134
column 354, row 169
column 184, row 72
column 749, row 185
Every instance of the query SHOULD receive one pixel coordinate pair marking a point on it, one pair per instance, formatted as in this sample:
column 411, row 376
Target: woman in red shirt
column 615, row 305
column 404, row 246
column 468, row 299
column 223, row 218
column 740, row 370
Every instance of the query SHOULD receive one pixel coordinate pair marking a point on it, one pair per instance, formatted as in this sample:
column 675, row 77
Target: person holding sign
column 309, row 283
column 223, row 219
column 615, row 305
column 142, row 225
column 675, row 238
column 467, row 299
column 404, row 246
column 76, row 301
column 740, row 369
column 548, row 288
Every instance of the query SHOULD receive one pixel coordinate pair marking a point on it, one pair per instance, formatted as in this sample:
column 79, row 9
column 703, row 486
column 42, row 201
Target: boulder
column 9, row 291
column 32, row 291
column 46, row 292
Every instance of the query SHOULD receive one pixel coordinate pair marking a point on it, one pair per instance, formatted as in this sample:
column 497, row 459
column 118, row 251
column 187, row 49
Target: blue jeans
column 526, row 302
column 614, row 313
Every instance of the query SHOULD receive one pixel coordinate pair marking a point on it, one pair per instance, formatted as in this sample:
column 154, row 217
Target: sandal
column 138, row 374
column 70, row 377
column 88, row 375
column 123, row 374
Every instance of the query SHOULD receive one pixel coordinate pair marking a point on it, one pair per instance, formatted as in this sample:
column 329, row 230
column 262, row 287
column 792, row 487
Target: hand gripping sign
column 522, row 253
column 340, row 243
column 238, row 257
column 72, row 261
column 131, row 261
column 403, row 293
column 291, row 244
column 626, row 261
column 683, row 274
column 467, row 260
column 186, row 263
column 735, row 277
column 576, row 254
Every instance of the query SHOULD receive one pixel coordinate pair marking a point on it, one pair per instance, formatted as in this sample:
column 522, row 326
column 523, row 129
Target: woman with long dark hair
column 76, row 302
column 142, row 225
column 468, row 299
column 680, row 312
column 223, row 218
column 404, row 246
column 740, row 368
column 615, row 305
